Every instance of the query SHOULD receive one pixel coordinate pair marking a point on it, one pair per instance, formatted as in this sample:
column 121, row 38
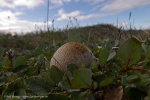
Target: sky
column 23, row 16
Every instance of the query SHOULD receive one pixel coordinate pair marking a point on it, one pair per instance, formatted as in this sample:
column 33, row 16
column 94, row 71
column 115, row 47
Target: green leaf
column 125, row 82
column 144, row 80
column 64, row 85
column 7, row 92
column 12, row 88
column 136, row 80
column 116, row 42
column 47, row 78
column 41, row 62
column 6, row 62
column 4, row 76
column 0, row 66
column 135, row 94
column 147, row 55
column 82, row 78
column 20, row 68
column 148, row 94
column 37, row 52
column 82, row 96
column 130, row 51
column 48, row 55
column 71, row 69
column 56, row 74
column 144, row 47
column 95, row 85
column 94, row 66
column 103, row 56
column 19, row 61
column 32, row 61
column 38, row 85
column 96, row 50
column 106, row 82
column 2, row 51
column 56, row 97
column 99, row 77
column 20, row 92
column 110, row 44
column 111, row 55
column 14, row 98
column 131, row 78
column 74, row 37
column 31, row 71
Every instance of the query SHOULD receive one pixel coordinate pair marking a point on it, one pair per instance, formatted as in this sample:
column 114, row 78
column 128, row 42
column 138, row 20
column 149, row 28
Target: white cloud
column 146, row 21
column 57, row 3
column 93, row 2
column 32, row 3
column 76, row 14
column 16, row 3
column 65, row 16
column 76, row 0
column 7, row 16
column 117, row 6
column 96, row 7
column 15, row 24
column 89, row 16
column 109, row 7
column 125, row 24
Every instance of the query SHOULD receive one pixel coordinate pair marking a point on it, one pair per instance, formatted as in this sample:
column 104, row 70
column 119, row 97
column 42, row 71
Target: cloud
column 57, row 3
column 65, row 16
column 109, row 7
column 79, row 15
column 146, row 21
column 9, row 21
column 76, row 0
column 32, row 3
column 117, row 6
column 93, row 2
column 89, row 16
column 5, row 16
column 124, row 24
column 16, row 3
column 75, row 14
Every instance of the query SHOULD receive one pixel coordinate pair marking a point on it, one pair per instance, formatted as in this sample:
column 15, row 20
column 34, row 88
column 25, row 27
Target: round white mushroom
column 72, row 53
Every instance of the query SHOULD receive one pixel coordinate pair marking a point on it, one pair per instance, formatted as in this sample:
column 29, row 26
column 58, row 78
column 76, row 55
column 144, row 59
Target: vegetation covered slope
column 123, row 61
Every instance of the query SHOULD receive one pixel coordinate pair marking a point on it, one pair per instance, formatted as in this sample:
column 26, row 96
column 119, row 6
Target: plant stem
column 47, row 15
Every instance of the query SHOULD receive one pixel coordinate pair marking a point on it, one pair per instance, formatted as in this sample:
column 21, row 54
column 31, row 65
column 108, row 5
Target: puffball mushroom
column 76, row 53
column 72, row 53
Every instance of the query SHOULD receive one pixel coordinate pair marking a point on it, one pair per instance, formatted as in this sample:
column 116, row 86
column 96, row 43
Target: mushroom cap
column 72, row 53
